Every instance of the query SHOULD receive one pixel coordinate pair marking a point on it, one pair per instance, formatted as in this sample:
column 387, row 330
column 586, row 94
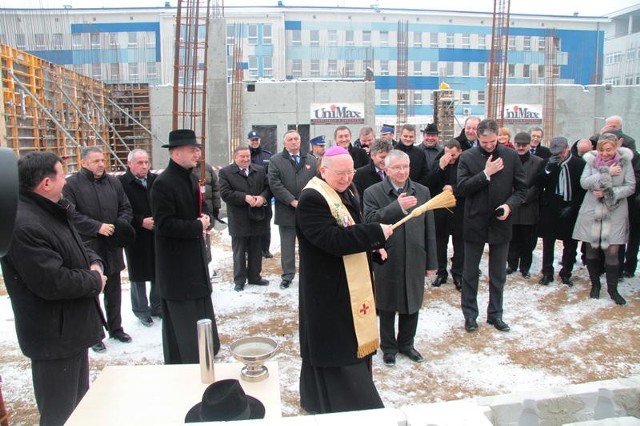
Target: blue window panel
column 292, row 25
column 264, row 50
column 423, row 54
column 464, row 55
column 389, row 82
column 386, row 110
column 61, row 57
column 122, row 27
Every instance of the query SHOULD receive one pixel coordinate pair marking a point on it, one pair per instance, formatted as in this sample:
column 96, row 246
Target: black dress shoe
column 440, row 279
column 121, row 336
column 510, row 270
column 389, row 359
column 546, row 280
column 499, row 324
column 526, row 275
column 567, row 281
column 261, row 281
column 99, row 348
column 456, row 282
column 266, row 254
column 147, row 322
column 470, row 325
column 238, row 287
column 285, row 284
column 412, row 354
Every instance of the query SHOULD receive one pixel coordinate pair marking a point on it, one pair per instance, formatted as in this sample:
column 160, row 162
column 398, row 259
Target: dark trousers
column 140, row 304
column 266, row 241
column 180, row 331
column 247, row 259
column 59, row 385
column 497, row 276
column 457, row 261
column 288, row 251
column 523, row 241
column 629, row 253
column 112, row 303
column 569, row 249
column 407, row 326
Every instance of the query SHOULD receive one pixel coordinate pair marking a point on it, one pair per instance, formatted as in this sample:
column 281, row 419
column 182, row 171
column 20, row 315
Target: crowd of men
column 339, row 203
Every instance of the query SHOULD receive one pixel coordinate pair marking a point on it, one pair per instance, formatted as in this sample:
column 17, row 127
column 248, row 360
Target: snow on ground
column 558, row 336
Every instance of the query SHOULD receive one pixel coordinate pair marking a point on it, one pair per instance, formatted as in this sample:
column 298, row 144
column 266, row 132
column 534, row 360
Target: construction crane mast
column 498, row 63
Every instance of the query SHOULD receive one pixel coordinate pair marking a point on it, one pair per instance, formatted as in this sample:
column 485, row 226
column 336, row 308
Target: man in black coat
column 245, row 189
column 182, row 273
column 468, row 138
column 430, row 145
column 102, row 217
column 53, row 281
column 338, row 332
column 137, row 183
column 560, row 198
column 536, row 147
column 261, row 157
column 342, row 137
column 373, row 172
column 492, row 180
column 444, row 177
column 417, row 158
column 525, row 217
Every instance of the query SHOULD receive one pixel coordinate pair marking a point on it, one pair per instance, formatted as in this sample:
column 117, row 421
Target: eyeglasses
column 346, row 173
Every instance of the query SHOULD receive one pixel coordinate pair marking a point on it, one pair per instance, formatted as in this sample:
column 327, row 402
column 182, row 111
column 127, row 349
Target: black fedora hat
column 181, row 137
column 225, row 400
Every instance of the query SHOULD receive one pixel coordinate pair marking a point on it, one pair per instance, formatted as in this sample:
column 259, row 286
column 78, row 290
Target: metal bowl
column 253, row 352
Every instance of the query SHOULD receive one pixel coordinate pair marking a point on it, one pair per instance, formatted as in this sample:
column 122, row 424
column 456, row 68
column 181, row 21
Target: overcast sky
column 550, row 7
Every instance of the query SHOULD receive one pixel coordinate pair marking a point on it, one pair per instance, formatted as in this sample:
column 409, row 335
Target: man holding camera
column 492, row 180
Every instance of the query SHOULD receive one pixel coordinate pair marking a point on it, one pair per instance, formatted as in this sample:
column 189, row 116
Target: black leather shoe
column 285, row 284
column 147, row 322
column 456, row 282
column 566, row 281
column 261, row 281
column 470, row 325
column 412, row 354
column 99, row 348
column 627, row 274
column 439, row 280
column 526, row 275
column 510, row 270
column 546, row 280
column 238, row 287
column 499, row 324
column 266, row 254
column 389, row 359
column 121, row 336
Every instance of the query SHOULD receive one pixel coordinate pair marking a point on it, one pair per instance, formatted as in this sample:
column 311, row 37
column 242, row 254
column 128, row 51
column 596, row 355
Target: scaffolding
column 50, row 108
column 402, row 79
column 498, row 60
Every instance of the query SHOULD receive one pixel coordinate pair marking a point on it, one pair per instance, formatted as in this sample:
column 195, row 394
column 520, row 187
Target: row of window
column 629, row 80
column 632, row 54
column 56, row 41
column 420, row 97
column 131, row 72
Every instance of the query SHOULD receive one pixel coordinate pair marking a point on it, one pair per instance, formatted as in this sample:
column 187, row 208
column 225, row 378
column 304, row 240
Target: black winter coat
column 359, row 155
column 327, row 335
column 99, row 201
column 245, row 221
column 53, row 292
column 141, row 254
column 418, row 167
column 365, row 177
column 558, row 217
column 527, row 212
column 483, row 196
column 452, row 218
column 181, row 263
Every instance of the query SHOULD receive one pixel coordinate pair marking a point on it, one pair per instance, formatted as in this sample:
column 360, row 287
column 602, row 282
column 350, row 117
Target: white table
column 162, row 394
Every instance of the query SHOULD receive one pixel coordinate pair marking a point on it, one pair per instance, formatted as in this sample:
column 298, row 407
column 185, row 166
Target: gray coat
column 599, row 224
column 400, row 280
column 286, row 181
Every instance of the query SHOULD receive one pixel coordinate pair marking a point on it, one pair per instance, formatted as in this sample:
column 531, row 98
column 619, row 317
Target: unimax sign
column 523, row 113
column 337, row 113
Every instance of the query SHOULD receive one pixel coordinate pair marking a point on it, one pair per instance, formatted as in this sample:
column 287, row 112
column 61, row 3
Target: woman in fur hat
column 603, row 221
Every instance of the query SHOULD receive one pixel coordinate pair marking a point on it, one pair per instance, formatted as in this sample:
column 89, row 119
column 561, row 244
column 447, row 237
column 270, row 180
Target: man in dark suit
column 536, row 147
column 418, row 159
column 342, row 137
column 289, row 172
column 468, row 138
column 430, row 144
column 261, row 157
column 137, row 182
column 560, row 198
column 245, row 189
column 492, row 180
column 525, row 217
column 373, row 172
column 181, row 261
